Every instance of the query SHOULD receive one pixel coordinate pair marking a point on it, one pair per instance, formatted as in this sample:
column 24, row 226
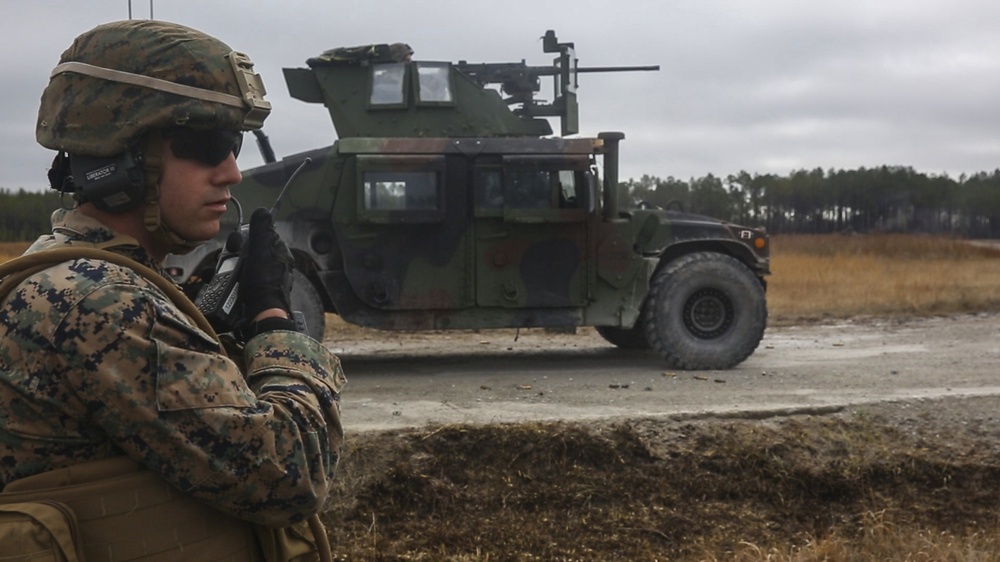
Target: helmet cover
column 122, row 79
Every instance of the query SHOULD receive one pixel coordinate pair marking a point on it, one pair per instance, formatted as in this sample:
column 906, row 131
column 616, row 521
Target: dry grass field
column 10, row 250
column 849, row 488
column 842, row 276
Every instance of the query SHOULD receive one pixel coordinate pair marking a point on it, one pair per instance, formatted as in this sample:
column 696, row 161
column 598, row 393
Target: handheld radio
column 220, row 300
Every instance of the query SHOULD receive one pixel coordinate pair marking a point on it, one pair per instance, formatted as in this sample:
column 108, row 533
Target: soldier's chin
column 202, row 237
column 195, row 239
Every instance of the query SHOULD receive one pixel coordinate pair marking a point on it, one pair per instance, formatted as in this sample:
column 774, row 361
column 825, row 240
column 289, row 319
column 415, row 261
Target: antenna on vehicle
column 130, row 9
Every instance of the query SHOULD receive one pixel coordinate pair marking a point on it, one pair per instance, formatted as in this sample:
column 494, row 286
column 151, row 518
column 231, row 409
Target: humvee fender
column 446, row 203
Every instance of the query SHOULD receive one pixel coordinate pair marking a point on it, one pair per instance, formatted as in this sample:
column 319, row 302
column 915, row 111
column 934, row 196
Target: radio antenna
column 277, row 202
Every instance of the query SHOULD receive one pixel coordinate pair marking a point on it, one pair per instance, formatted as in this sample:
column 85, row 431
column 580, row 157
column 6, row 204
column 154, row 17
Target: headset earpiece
column 113, row 184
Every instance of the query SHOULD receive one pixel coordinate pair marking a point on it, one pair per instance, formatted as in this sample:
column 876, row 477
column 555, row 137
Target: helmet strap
column 153, row 218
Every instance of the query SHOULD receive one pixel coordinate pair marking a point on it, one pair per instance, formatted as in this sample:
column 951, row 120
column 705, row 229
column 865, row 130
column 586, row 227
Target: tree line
column 24, row 215
column 882, row 199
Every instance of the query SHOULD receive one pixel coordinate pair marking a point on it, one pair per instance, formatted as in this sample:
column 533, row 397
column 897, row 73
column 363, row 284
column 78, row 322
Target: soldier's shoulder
column 93, row 287
column 65, row 284
column 85, row 274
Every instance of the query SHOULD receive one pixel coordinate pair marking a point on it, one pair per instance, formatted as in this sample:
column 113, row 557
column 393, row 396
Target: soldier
column 98, row 362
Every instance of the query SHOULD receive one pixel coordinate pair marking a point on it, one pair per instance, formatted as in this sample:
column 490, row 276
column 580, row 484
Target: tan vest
column 123, row 512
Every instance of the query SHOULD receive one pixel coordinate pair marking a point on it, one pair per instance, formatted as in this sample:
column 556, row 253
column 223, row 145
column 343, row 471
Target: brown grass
column 10, row 250
column 800, row 489
column 837, row 276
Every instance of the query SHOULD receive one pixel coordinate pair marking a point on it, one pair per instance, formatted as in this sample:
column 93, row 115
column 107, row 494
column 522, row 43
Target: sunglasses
column 208, row 146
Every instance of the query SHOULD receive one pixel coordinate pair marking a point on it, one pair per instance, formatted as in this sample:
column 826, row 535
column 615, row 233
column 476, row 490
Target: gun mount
column 377, row 91
column 520, row 82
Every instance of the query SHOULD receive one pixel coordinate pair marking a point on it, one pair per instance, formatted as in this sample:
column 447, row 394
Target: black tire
column 626, row 338
column 306, row 300
column 705, row 311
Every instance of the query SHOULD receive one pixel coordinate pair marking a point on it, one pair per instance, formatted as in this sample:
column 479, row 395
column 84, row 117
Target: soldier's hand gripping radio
column 221, row 301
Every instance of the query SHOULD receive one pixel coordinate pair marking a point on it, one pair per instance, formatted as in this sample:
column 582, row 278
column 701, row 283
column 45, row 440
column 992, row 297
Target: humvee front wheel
column 705, row 311
column 306, row 300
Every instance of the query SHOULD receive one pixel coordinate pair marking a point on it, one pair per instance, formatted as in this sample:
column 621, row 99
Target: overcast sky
column 766, row 86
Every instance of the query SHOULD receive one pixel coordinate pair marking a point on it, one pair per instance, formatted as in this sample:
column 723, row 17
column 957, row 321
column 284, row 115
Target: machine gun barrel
column 519, row 82
column 504, row 72
column 522, row 69
column 617, row 68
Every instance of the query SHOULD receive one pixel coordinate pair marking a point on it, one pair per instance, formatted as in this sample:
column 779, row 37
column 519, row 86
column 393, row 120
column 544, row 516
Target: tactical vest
column 113, row 510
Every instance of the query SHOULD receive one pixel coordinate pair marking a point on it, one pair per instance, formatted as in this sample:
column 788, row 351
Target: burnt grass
column 664, row 489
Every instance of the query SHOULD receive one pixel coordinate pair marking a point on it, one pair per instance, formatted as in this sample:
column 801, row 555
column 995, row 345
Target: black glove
column 266, row 279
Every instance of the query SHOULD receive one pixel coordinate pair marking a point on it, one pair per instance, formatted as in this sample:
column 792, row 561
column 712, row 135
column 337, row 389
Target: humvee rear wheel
column 306, row 300
column 705, row 311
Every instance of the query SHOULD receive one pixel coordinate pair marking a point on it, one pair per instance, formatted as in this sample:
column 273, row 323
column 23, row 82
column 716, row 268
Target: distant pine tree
column 881, row 199
column 24, row 215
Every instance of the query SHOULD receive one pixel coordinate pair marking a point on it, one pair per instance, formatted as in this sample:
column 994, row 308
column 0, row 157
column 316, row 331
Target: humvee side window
column 546, row 188
column 401, row 188
column 387, row 85
column 534, row 189
column 529, row 189
column 434, row 83
column 401, row 191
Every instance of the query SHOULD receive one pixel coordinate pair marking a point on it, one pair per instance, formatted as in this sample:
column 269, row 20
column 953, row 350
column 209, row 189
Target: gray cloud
column 765, row 86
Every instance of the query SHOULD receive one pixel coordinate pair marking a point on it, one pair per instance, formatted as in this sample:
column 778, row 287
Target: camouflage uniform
column 96, row 362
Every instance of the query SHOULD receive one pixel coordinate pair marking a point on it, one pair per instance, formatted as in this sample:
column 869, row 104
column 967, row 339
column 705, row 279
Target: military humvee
column 447, row 203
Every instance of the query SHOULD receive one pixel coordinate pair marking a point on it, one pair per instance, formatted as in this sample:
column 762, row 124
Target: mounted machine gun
column 520, row 82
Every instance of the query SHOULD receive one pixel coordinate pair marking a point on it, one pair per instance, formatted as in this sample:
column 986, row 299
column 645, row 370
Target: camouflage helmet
column 121, row 79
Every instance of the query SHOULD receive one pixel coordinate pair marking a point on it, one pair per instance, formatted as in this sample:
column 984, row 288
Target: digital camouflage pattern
column 92, row 116
column 96, row 362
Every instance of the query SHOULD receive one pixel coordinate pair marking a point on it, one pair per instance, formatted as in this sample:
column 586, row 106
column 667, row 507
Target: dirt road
column 408, row 380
